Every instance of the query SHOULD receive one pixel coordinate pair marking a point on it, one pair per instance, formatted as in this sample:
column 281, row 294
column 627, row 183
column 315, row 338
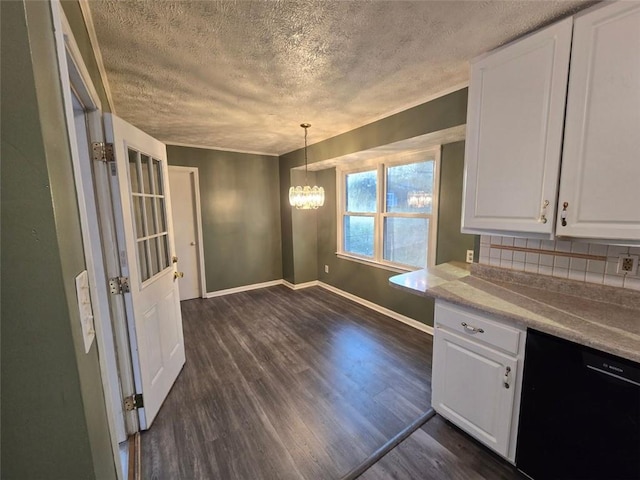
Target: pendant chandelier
column 306, row 198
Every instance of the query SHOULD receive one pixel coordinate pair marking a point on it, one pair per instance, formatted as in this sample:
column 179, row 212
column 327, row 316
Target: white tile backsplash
column 520, row 242
column 547, row 260
column 598, row 249
column 632, row 283
column 561, row 266
column 596, row 266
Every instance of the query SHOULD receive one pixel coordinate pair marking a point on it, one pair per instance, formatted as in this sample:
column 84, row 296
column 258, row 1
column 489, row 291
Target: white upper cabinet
column 514, row 134
column 600, row 180
column 514, row 184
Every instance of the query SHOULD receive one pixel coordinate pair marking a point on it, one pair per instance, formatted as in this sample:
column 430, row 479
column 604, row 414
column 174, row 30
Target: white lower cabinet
column 477, row 375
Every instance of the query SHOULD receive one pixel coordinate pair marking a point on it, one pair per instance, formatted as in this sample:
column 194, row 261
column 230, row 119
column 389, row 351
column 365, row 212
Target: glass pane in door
column 133, row 171
column 153, row 248
column 142, row 261
column 146, row 173
column 157, row 174
column 151, row 223
column 138, row 216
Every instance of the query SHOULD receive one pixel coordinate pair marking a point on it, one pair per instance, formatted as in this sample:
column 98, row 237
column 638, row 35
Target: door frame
column 98, row 236
column 195, row 181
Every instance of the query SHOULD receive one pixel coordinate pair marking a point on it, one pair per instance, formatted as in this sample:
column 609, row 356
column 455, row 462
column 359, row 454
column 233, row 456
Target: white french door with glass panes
column 142, row 209
column 388, row 208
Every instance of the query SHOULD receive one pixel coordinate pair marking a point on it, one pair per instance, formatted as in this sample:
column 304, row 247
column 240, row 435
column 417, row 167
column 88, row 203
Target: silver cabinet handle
column 543, row 212
column 507, row 371
column 471, row 328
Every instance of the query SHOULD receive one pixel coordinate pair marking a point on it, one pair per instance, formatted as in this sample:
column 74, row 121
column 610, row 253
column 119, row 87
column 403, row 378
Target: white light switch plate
column 86, row 312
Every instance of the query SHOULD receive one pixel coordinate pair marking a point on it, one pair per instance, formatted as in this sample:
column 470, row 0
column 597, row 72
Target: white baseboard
column 298, row 286
column 316, row 283
column 374, row 306
column 244, row 288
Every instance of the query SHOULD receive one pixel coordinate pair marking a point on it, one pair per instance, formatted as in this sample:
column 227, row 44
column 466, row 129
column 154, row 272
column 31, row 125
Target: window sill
column 373, row 263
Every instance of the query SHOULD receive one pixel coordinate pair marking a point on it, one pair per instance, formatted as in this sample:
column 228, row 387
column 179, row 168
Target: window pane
column 405, row 240
column 138, row 216
column 162, row 227
column 142, row 260
column 157, row 174
column 361, row 191
column 133, row 171
column 151, row 224
column 146, row 173
column 410, row 187
column 358, row 235
column 163, row 248
column 154, row 256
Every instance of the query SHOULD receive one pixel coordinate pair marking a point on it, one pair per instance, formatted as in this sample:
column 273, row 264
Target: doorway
column 187, row 223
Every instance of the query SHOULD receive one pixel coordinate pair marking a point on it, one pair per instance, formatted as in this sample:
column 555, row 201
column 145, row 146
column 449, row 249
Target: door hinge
column 119, row 285
column 133, row 402
column 102, row 152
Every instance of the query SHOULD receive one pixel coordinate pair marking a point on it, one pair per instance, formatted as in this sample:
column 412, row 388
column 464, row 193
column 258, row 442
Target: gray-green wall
column 451, row 244
column 240, row 215
column 302, row 264
column 53, row 415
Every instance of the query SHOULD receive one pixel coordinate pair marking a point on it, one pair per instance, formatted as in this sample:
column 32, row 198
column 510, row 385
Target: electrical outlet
column 326, row 269
column 469, row 256
column 628, row 264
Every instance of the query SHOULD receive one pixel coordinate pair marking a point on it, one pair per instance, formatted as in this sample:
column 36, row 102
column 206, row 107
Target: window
column 149, row 214
column 387, row 210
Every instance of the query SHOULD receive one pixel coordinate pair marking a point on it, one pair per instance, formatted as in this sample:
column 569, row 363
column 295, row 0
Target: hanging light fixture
column 306, row 198
column 419, row 199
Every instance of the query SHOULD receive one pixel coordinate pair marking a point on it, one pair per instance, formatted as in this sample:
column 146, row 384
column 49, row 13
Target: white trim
column 300, row 286
column 435, row 206
column 379, row 164
column 373, row 263
column 374, row 306
column 244, row 288
column 203, row 147
column 317, row 283
column 95, row 46
column 73, row 74
column 78, row 72
column 196, row 184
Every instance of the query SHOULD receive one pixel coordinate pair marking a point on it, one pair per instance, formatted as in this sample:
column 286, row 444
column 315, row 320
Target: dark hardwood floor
column 283, row 384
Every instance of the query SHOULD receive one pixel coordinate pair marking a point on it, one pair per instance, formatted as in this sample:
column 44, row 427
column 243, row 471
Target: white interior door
column 184, row 206
column 143, row 215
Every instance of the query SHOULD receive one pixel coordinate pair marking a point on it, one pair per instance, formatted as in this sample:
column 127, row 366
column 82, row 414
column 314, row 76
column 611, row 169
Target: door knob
column 178, row 275
column 192, row 243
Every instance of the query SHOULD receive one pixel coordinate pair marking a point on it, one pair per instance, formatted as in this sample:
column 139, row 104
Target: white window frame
column 379, row 164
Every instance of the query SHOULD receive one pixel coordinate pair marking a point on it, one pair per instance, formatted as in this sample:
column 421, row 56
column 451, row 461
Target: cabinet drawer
column 477, row 327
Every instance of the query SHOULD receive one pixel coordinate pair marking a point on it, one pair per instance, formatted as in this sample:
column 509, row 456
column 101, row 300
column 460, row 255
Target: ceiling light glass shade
column 306, row 198
column 419, row 199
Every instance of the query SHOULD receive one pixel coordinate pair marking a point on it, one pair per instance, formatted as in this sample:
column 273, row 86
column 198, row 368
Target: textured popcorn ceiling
column 242, row 75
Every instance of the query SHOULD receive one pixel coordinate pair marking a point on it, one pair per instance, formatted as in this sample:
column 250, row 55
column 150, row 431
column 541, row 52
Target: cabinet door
column 514, row 133
column 468, row 388
column 600, row 178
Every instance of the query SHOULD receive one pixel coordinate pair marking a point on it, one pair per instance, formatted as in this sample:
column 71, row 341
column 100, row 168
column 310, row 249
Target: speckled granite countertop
column 599, row 316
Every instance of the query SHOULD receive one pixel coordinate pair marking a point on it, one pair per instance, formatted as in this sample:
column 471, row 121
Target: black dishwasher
column 579, row 413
